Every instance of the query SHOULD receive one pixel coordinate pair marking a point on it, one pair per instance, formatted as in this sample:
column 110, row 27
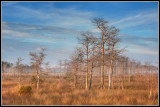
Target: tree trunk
column 129, row 74
column 75, row 81
column 91, row 76
column 91, row 80
column 102, row 62
column 110, row 78
column 38, row 81
column 109, row 85
column 19, row 78
column 86, row 80
column 75, row 75
column 110, row 75
column 38, row 77
column 87, row 71
column 122, row 83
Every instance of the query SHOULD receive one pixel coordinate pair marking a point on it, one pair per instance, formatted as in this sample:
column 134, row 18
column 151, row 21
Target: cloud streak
column 28, row 26
column 144, row 18
column 142, row 50
column 68, row 17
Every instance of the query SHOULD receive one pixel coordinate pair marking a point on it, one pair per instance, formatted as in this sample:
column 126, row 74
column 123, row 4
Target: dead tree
column 86, row 40
column 113, row 50
column 107, row 41
column 93, row 59
column 19, row 69
column 76, row 60
column 37, row 60
column 101, row 25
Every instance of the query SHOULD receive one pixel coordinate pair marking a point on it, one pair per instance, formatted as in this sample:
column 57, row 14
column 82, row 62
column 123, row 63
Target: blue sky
column 27, row 26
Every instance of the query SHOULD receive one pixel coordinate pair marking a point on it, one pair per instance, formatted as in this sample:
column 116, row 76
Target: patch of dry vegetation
column 60, row 91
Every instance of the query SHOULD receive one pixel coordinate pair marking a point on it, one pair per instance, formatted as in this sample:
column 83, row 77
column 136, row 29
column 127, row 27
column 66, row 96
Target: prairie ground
column 59, row 90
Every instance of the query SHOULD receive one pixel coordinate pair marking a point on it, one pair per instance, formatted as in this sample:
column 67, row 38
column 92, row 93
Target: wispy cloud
column 29, row 33
column 142, row 18
column 68, row 17
column 41, row 28
column 138, row 49
column 24, row 38
column 143, row 44
column 26, row 27
column 129, row 38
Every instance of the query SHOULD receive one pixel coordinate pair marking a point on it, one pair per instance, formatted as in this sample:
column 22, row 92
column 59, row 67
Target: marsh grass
column 60, row 91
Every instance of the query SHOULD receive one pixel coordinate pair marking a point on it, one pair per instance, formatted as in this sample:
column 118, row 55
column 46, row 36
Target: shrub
column 25, row 90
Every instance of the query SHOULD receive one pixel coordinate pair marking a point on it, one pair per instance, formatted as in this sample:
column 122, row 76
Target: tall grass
column 60, row 91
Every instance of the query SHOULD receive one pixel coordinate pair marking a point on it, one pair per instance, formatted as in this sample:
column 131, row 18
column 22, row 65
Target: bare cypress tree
column 19, row 69
column 108, row 42
column 101, row 24
column 76, row 60
column 37, row 60
column 113, row 51
column 86, row 39
column 92, row 60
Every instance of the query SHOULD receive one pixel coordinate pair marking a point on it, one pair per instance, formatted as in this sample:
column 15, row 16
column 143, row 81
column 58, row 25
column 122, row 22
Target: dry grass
column 60, row 91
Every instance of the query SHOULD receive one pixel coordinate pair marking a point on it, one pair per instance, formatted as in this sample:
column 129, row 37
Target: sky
column 28, row 26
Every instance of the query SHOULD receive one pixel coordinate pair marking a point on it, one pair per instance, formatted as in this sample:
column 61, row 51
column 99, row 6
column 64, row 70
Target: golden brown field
column 60, row 91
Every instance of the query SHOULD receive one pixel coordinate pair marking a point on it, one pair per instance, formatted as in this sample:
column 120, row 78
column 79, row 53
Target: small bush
column 25, row 90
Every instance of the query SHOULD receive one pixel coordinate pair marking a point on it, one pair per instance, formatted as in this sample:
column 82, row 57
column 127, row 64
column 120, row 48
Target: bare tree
column 101, row 25
column 86, row 40
column 19, row 69
column 37, row 60
column 92, row 61
column 76, row 59
column 108, row 39
column 113, row 51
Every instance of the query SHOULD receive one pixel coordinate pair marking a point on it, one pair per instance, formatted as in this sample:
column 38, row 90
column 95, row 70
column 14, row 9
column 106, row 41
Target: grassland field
column 59, row 90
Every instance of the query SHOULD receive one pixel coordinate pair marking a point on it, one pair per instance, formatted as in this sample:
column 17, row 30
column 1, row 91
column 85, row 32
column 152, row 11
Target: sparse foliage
column 37, row 60
column 86, row 40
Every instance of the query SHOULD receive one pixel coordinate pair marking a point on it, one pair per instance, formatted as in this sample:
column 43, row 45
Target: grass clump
column 25, row 90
